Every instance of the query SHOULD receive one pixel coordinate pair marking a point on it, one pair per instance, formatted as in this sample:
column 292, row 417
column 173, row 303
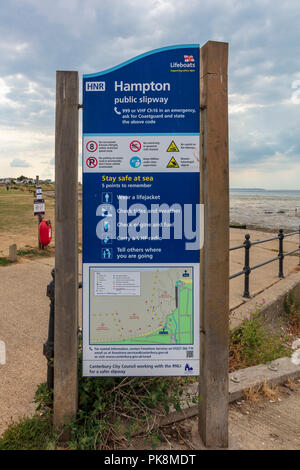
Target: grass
column 254, row 394
column 16, row 210
column 29, row 252
column 110, row 412
column 254, row 343
column 292, row 312
column 31, row 433
column 4, row 261
column 16, row 214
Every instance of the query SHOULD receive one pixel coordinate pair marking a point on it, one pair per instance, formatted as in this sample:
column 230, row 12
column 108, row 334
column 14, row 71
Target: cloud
column 40, row 37
column 18, row 163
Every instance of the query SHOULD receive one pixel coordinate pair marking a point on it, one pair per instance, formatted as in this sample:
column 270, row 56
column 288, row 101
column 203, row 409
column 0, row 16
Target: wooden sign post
column 66, row 249
column 39, row 217
column 214, row 257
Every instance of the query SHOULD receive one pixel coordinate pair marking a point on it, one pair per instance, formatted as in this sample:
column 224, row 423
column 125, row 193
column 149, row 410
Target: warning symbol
column 172, row 163
column 135, row 146
column 172, row 147
column 92, row 162
column 91, row 146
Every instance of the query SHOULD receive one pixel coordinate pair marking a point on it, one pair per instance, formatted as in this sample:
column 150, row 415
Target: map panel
column 141, row 305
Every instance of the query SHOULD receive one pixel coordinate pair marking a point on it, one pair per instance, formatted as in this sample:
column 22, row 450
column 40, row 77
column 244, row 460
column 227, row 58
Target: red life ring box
column 45, row 232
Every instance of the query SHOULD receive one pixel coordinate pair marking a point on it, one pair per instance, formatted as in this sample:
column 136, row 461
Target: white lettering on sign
column 95, row 86
column 153, row 223
column 144, row 87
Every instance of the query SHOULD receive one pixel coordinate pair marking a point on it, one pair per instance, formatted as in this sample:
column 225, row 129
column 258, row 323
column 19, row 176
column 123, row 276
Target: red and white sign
column 38, row 207
column 92, row 162
column 114, row 153
column 135, row 146
column 92, row 146
column 189, row 58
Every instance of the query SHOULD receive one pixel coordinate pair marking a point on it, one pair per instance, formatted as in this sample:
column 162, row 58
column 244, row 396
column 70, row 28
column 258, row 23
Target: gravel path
column 23, row 328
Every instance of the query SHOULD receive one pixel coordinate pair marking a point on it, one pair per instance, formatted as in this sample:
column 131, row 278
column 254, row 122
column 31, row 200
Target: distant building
column 5, row 180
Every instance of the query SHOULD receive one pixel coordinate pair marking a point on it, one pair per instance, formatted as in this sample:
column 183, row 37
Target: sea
column 265, row 209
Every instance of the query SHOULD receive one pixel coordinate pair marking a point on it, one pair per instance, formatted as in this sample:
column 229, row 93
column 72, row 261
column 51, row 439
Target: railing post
column 280, row 254
column 247, row 270
column 48, row 349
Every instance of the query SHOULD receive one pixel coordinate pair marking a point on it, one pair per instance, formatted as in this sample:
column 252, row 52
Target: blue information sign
column 141, row 215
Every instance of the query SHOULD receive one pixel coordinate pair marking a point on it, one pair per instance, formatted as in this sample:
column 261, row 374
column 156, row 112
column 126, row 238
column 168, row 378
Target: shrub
column 253, row 343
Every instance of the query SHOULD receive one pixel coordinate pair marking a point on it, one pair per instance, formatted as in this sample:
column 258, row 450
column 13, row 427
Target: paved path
column 267, row 425
column 25, row 313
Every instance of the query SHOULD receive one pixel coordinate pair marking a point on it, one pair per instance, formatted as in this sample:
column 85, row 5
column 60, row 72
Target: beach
column 270, row 210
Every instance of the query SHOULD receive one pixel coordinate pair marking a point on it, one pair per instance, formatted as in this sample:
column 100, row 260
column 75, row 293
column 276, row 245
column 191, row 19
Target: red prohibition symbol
column 92, row 146
column 92, row 162
column 135, row 146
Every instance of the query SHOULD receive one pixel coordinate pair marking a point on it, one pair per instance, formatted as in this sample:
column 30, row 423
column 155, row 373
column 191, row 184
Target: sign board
column 141, row 216
column 38, row 207
column 39, row 192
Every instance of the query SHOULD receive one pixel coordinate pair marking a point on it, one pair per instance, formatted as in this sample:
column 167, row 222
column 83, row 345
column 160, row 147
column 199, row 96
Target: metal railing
column 280, row 257
column 48, row 347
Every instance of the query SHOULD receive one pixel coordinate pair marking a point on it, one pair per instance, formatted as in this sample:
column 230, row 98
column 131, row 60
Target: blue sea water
column 269, row 209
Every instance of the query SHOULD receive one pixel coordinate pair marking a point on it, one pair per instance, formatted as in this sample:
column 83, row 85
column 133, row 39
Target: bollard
column 2, row 353
column 13, row 253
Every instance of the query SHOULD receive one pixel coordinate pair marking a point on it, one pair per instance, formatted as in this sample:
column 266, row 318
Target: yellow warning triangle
column 172, row 163
column 172, row 147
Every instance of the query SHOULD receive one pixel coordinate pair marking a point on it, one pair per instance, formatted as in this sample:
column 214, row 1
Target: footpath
column 25, row 315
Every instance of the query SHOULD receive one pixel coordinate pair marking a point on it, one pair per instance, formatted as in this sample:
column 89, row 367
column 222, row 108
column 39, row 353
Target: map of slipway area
column 141, row 305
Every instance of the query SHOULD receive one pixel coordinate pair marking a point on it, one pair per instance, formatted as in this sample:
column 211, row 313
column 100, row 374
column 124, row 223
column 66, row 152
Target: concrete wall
column 270, row 302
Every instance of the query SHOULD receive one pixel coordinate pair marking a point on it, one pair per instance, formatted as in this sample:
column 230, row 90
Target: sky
column 38, row 37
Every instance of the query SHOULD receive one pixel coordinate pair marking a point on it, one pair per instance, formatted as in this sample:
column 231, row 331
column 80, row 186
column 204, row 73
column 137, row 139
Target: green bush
column 253, row 343
column 110, row 411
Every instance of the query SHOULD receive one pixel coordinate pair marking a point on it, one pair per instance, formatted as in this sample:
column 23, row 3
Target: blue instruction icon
column 107, row 197
column 135, row 162
column 106, row 253
column 106, row 240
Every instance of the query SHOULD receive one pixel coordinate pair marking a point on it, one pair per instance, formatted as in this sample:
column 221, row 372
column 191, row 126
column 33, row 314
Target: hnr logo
column 95, row 86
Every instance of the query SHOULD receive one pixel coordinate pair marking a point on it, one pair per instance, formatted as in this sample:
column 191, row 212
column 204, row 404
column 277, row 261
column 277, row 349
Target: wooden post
column 39, row 217
column 214, row 257
column 66, row 249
